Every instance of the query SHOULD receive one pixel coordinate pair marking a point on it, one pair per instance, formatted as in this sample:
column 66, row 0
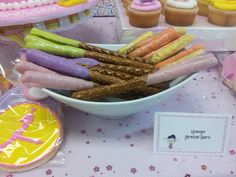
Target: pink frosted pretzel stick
column 27, row 120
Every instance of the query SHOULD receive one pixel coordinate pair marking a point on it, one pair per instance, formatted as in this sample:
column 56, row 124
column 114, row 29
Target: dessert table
column 113, row 148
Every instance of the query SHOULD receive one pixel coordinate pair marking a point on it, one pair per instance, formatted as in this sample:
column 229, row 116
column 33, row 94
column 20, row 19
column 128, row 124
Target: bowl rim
column 69, row 99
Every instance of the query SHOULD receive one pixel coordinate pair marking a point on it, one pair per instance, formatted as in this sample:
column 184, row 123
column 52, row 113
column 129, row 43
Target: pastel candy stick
column 181, row 69
column 157, row 36
column 188, row 53
column 66, row 66
column 167, row 74
column 35, row 54
column 129, row 47
column 53, row 81
column 171, row 48
column 23, row 66
column 33, row 42
column 58, row 64
column 229, row 71
column 75, row 43
column 158, row 41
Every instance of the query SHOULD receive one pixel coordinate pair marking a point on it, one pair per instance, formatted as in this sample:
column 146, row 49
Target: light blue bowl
column 117, row 109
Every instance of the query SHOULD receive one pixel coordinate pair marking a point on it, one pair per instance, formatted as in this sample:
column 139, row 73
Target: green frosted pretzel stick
column 54, row 37
column 34, row 42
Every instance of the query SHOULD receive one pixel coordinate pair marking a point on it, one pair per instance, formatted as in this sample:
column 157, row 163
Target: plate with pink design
column 35, row 11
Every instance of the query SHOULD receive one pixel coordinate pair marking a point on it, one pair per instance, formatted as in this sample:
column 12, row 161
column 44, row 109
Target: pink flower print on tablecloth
column 133, row 170
column 152, row 168
column 99, row 130
column 83, row 131
column 232, row 152
column 9, row 175
column 204, row 167
column 96, row 169
column 187, row 175
column 49, row 172
column 109, row 167
column 127, row 136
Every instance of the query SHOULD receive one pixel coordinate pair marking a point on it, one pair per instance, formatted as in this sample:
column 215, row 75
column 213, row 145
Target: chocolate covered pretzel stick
column 109, row 90
column 115, row 77
column 116, row 60
column 126, row 69
column 75, row 43
column 109, row 72
column 102, row 78
column 112, row 53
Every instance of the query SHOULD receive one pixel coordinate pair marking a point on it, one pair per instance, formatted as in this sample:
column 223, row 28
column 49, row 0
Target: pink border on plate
column 43, row 13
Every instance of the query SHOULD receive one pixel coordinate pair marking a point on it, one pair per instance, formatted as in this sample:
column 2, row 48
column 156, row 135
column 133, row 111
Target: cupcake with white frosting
column 181, row 12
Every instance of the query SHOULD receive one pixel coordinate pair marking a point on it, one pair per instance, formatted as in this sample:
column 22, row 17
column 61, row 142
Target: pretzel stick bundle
column 75, row 43
column 34, row 42
column 169, row 73
column 75, row 67
column 121, row 74
column 43, row 62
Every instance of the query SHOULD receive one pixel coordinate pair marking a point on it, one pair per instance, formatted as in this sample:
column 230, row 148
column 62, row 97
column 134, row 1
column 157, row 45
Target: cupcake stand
column 95, row 147
column 214, row 37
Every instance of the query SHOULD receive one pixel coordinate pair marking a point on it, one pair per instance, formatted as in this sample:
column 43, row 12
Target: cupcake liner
column 180, row 17
column 221, row 17
column 143, row 19
column 203, row 8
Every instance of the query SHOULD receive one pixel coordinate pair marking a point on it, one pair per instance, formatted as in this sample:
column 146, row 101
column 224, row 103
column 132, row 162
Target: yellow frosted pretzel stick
column 16, row 38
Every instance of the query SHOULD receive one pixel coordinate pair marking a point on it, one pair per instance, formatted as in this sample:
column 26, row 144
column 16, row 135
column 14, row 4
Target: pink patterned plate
column 40, row 14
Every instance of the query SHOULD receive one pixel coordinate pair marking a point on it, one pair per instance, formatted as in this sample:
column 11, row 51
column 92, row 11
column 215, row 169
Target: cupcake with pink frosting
column 144, row 13
column 181, row 12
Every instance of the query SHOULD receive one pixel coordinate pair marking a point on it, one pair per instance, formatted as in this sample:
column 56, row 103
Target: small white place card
column 190, row 133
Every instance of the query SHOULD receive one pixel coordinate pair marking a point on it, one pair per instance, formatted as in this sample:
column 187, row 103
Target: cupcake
column 126, row 3
column 181, row 12
column 203, row 7
column 222, row 12
column 144, row 13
